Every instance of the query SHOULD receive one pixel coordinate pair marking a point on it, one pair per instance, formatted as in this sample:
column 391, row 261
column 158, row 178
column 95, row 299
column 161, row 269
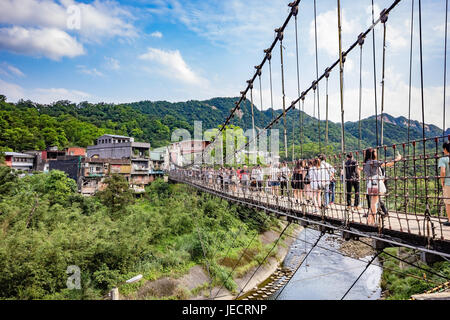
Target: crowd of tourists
column 313, row 182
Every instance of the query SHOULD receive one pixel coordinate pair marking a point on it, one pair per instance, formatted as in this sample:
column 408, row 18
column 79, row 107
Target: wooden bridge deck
column 398, row 228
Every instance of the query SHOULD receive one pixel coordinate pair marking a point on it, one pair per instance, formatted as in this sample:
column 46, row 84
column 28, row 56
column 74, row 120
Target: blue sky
column 125, row 51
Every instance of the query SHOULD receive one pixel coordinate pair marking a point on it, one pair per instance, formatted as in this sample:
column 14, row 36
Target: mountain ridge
column 65, row 123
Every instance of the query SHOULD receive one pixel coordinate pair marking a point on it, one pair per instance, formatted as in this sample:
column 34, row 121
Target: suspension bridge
column 411, row 212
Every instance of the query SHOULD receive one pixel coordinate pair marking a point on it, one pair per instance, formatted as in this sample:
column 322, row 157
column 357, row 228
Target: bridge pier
column 304, row 223
column 347, row 236
column 380, row 245
column 324, row 229
column 430, row 258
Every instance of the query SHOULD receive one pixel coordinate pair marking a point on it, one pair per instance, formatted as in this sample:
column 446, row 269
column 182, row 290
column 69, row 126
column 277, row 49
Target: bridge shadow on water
column 326, row 275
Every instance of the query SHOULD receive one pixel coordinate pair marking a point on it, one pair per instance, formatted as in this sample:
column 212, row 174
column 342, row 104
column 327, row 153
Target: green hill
column 27, row 125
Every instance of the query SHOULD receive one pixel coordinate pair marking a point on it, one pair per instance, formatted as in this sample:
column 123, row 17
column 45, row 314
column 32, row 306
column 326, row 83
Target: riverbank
column 270, row 267
column 195, row 283
column 401, row 281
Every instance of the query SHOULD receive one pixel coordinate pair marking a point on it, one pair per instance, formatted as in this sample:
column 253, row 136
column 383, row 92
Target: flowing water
column 326, row 275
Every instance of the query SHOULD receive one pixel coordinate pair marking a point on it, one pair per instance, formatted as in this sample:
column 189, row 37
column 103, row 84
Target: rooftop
column 17, row 154
column 115, row 136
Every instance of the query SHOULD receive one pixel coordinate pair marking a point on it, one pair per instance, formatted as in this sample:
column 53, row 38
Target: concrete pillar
column 379, row 245
column 429, row 258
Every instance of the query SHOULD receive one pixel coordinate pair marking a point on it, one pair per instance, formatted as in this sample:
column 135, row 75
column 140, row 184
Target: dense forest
column 27, row 125
column 46, row 226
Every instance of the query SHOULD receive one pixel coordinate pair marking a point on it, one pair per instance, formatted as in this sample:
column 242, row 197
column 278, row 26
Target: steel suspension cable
column 280, row 36
column 271, row 88
column 374, row 73
column 410, row 74
column 304, row 93
column 302, row 117
column 239, row 260
column 423, row 108
column 378, row 265
column 293, row 138
column 326, row 121
column 253, row 115
column 299, row 266
column 317, row 75
column 445, row 66
column 298, row 73
column 236, row 235
column 411, row 264
column 260, row 91
column 367, row 266
column 384, row 18
column 260, row 264
column 341, row 87
column 361, row 43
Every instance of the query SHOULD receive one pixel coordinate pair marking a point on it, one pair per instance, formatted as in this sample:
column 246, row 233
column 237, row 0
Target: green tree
column 8, row 180
column 117, row 194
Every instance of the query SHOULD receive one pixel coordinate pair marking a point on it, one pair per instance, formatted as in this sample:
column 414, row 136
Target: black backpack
column 350, row 170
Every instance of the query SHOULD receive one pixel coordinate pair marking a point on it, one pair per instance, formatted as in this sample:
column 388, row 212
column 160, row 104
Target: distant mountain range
column 214, row 111
column 68, row 124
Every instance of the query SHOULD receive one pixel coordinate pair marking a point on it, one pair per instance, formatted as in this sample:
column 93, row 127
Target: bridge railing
column 397, row 187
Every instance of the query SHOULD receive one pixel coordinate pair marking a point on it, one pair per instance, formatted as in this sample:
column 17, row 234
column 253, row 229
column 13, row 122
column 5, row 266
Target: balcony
column 140, row 168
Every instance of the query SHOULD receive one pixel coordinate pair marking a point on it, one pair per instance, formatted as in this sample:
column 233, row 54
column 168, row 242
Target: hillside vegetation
column 27, row 125
column 45, row 227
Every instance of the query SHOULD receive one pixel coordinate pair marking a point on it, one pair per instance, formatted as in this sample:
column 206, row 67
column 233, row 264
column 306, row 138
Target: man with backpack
column 352, row 171
column 445, row 179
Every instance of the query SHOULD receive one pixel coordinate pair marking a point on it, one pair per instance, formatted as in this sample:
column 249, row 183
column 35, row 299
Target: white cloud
column 10, row 70
column 12, row 91
column 228, row 22
column 103, row 19
column 97, row 19
column 396, row 101
column 55, row 94
column 15, row 92
column 43, row 27
column 172, row 65
column 92, row 72
column 156, row 34
column 327, row 32
column 51, row 43
column 112, row 63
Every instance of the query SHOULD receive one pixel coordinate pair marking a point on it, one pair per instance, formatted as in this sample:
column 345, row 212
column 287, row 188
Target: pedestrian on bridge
column 445, row 179
column 245, row 179
column 328, row 183
column 297, row 181
column 375, row 181
column 316, row 176
column 307, row 179
column 285, row 173
column 274, row 178
column 352, row 173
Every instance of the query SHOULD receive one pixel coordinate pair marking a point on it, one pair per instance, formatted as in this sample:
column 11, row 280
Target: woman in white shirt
column 315, row 175
column 274, row 179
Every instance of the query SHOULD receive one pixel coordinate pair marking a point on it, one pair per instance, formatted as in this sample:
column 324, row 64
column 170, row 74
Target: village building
column 186, row 152
column 125, row 148
column 19, row 161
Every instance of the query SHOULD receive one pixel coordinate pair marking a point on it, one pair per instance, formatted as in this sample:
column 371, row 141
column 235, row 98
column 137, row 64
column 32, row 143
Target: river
column 327, row 275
